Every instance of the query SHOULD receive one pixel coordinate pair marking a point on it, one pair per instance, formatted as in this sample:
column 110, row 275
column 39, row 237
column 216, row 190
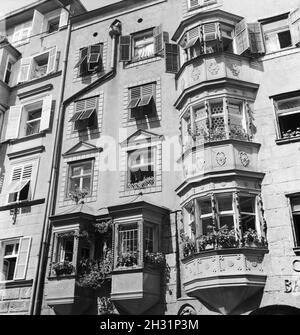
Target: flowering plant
column 188, row 245
column 78, row 195
column 63, row 268
column 127, row 259
column 156, row 258
column 251, row 238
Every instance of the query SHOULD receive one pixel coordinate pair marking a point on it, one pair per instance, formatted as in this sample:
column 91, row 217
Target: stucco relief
column 221, row 158
column 235, row 69
column 213, row 67
column 244, row 158
column 196, row 73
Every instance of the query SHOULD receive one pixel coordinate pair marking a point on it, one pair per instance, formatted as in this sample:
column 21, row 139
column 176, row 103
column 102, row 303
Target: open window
column 287, row 110
column 14, row 259
column 90, row 60
column 142, row 101
column 295, row 207
column 20, row 188
column 85, row 115
column 141, row 167
column 53, row 25
column 8, row 71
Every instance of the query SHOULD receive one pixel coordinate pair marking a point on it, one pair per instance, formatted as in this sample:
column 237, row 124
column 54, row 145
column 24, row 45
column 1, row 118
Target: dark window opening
column 285, row 39
column 53, row 25
column 289, row 125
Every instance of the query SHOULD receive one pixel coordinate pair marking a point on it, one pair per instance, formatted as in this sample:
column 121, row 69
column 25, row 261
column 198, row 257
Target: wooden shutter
column 172, row 57
column 51, row 60
column 256, row 38
column 46, row 113
column 24, row 69
column 160, row 37
column 63, row 20
column 13, row 122
column 23, row 256
column 210, row 31
column 242, row 42
column 135, row 96
column 37, row 23
column 125, row 48
column 294, row 19
column 147, row 94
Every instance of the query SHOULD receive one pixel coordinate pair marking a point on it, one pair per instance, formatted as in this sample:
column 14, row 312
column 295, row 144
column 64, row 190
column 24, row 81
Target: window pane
column 285, row 39
column 224, row 203
column 76, row 170
column 74, row 184
column 247, row 204
column 296, row 219
column 289, row 125
column 87, row 168
column 248, row 222
column 69, row 244
column 86, row 184
column 205, row 206
column 295, row 204
column 9, row 248
column 10, row 268
column 226, row 222
column 207, row 226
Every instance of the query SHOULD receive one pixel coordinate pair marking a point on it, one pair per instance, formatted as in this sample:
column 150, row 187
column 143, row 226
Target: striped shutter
column 13, row 122
column 160, row 37
column 172, row 58
column 94, row 57
column 46, row 113
column 256, row 38
column 294, row 20
column 125, row 48
column 84, row 109
column 210, row 31
column 147, row 94
column 242, row 42
column 22, row 260
column 24, row 69
column 135, row 96
column 52, row 60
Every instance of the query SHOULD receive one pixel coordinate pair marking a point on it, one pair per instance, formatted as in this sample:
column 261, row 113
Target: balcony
column 214, row 69
column 225, row 278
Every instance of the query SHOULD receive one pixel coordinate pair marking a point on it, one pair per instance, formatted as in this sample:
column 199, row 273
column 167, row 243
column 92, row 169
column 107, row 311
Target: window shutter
column 24, row 69
column 63, row 20
column 23, row 256
column 16, row 174
column 241, row 37
column 46, row 113
column 210, row 31
column 13, row 122
column 125, row 48
column 294, row 19
column 147, row 94
column 37, row 23
column 160, row 38
column 172, row 57
column 51, row 60
column 135, row 96
column 194, row 3
column 256, row 38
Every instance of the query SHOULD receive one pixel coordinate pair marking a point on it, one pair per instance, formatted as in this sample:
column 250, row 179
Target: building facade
column 148, row 161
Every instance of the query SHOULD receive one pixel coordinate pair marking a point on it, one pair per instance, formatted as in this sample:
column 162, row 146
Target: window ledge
column 282, row 141
column 15, row 283
column 202, row 6
column 61, row 277
column 22, row 204
column 297, row 251
column 28, row 138
column 280, row 53
column 134, row 63
column 38, row 80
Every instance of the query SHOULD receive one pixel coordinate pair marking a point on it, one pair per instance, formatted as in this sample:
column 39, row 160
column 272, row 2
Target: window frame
column 15, row 255
column 8, row 61
column 295, row 238
column 84, row 58
column 72, row 163
column 201, row 3
column 137, row 36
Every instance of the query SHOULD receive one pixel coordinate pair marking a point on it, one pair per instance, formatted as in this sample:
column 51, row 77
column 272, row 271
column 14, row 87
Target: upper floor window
column 53, row 25
column 22, row 33
column 143, row 45
column 216, row 120
column 295, row 206
column 142, row 101
column 141, row 167
column 19, row 189
column 8, row 70
column 14, row 258
column 80, row 177
column 29, row 118
column 85, row 115
column 192, row 4
column 38, row 66
column 277, row 34
column 90, row 60
column 287, row 111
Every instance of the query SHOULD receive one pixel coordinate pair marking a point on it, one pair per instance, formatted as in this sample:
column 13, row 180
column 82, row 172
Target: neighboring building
column 173, row 183
column 31, row 65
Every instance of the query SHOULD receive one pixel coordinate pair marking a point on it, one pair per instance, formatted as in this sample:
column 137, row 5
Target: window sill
column 280, row 53
column 22, row 204
column 213, row 2
column 61, row 277
column 15, row 283
column 38, row 80
column 143, row 61
column 28, row 138
column 282, row 141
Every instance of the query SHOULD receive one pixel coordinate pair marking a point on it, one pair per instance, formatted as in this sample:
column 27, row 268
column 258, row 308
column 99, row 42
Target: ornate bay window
column 216, row 120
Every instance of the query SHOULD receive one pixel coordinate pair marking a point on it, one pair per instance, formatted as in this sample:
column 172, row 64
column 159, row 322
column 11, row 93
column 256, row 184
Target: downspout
column 37, row 296
column 37, row 290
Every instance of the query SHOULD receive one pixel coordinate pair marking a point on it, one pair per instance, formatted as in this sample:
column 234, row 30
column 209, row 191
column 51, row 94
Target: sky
column 10, row 5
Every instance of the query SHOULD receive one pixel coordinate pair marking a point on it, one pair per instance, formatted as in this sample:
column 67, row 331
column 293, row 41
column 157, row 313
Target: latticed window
column 80, row 177
column 149, row 242
column 217, row 121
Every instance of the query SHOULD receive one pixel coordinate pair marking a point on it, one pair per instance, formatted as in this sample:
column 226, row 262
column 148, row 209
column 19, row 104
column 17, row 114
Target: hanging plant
column 127, row 259
column 62, row 268
column 155, row 258
column 105, row 306
column 103, row 227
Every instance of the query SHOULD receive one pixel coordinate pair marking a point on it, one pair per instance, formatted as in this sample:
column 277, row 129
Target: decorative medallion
column 213, row 67
column 244, row 159
column 196, row 73
column 221, row 158
column 235, row 69
column 230, row 263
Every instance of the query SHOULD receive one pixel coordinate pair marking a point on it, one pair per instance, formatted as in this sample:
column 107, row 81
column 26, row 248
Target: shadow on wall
column 276, row 310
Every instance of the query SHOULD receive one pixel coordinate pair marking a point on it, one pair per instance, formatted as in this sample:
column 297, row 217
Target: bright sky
column 8, row 6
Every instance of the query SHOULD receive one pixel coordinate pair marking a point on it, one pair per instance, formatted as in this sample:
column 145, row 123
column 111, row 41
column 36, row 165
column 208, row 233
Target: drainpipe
column 38, row 285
